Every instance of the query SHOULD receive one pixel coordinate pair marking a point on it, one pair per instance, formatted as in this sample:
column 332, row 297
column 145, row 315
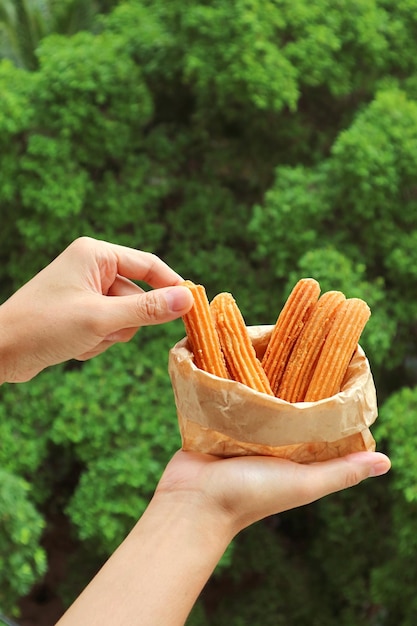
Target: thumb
column 287, row 485
column 272, row 485
column 337, row 474
column 150, row 307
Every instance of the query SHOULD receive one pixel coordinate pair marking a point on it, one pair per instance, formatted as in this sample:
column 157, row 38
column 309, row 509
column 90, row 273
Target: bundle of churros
column 301, row 389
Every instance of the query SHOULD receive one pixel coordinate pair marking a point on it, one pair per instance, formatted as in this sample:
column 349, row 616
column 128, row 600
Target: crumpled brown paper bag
column 226, row 418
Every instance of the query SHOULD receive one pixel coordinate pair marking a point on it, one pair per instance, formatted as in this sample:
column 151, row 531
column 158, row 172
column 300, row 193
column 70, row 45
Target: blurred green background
column 248, row 143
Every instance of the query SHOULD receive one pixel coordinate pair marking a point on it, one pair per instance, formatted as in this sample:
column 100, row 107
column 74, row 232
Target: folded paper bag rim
column 224, row 417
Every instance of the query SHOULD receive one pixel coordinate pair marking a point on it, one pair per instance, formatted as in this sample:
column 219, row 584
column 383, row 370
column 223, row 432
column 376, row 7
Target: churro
column 237, row 347
column 287, row 328
column 338, row 349
column 202, row 335
column 303, row 358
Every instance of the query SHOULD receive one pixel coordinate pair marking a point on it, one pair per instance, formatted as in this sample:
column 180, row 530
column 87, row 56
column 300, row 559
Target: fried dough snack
column 302, row 361
column 202, row 334
column 338, row 348
column 307, row 355
column 288, row 326
column 237, row 347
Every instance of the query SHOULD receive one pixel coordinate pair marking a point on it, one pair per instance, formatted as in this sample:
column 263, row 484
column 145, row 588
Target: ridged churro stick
column 202, row 334
column 238, row 351
column 303, row 358
column 288, row 326
column 338, row 349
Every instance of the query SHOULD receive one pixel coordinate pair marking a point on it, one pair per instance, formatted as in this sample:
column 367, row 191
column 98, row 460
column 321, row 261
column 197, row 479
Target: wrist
column 6, row 343
column 20, row 343
column 209, row 521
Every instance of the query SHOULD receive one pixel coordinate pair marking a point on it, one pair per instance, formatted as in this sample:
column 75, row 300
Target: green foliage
column 248, row 144
column 288, row 223
column 109, row 498
column 137, row 404
column 16, row 117
column 263, row 566
column 242, row 70
column 397, row 428
column 24, row 23
column 351, row 201
column 69, row 175
column 123, row 434
column 95, row 439
column 349, row 544
column 25, row 420
column 22, row 559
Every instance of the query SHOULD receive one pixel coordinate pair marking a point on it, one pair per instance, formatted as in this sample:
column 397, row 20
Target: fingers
column 337, row 474
column 276, row 485
column 122, row 336
column 244, row 490
column 144, row 266
column 134, row 307
column 114, row 259
column 123, row 287
column 147, row 308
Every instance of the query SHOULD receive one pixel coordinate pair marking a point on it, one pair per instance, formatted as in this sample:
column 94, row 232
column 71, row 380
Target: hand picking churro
column 237, row 347
column 338, row 349
column 288, row 326
column 202, row 335
column 303, row 358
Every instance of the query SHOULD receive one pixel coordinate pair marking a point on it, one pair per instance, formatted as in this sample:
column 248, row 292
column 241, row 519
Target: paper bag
column 225, row 418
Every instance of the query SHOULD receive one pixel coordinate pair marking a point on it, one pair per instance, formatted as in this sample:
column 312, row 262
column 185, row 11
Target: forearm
column 158, row 572
column 21, row 339
column 7, row 345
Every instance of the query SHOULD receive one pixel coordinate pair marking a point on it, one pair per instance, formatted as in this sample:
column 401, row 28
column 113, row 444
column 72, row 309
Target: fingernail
column 376, row 463
column 379, row 468
column 177, row 298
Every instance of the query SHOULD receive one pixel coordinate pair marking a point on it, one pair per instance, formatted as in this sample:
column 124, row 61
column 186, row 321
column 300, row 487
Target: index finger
column 144, row 266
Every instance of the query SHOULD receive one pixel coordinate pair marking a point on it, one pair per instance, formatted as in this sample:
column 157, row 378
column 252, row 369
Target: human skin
column 84, row 302
column 78, row 306
column 201, row 503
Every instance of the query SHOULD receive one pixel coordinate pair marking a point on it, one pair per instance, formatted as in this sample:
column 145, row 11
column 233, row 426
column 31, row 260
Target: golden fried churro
column 288, row 326
column 303, row 358
column 202, row 334
column 338, row 349
column 238, row 351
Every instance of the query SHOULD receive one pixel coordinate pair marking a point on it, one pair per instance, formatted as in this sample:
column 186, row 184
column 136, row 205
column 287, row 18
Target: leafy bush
column 248, row 144
column 393, row 585
column 22, row 559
